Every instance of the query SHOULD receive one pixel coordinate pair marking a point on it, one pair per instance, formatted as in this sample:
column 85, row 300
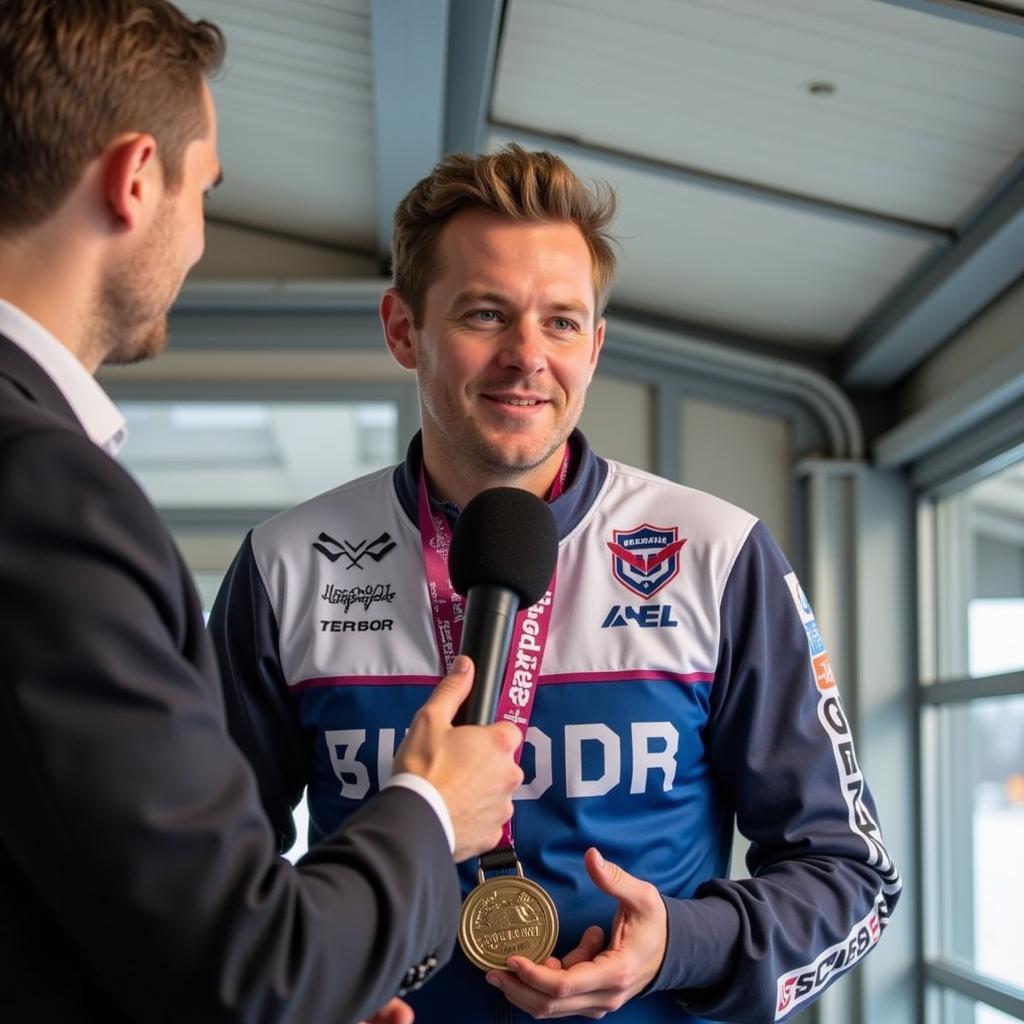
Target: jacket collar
column 585, row 481
column 34, row 382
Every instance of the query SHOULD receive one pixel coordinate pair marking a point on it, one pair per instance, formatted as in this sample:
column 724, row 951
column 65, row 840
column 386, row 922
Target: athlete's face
column 507, row 347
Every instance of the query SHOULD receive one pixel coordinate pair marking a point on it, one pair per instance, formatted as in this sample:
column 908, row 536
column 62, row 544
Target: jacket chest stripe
column 364, row 680
column 627, row 676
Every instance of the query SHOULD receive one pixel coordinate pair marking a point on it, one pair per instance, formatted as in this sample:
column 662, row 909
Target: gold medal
column 507, row 916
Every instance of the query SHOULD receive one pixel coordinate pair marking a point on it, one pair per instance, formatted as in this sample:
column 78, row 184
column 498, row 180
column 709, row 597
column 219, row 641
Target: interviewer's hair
column 512, row 183
column 75, row 74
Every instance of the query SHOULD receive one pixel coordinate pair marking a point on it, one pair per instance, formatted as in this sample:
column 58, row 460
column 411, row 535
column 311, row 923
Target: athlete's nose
column 523, row 348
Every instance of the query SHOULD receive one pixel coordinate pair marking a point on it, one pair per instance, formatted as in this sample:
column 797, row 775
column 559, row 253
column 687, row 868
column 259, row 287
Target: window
column 216, row 469
column 971, row 568
column 261, row 455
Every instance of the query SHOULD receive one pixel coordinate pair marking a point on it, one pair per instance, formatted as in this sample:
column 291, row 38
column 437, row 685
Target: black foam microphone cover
column 503, row 553
column 505, row 537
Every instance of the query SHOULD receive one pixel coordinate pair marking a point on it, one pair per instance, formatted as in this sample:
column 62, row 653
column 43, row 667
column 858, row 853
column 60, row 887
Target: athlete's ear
column 598, row 342
column 399, row 330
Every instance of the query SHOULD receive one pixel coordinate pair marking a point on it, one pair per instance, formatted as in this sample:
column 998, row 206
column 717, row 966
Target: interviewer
column 138, row 873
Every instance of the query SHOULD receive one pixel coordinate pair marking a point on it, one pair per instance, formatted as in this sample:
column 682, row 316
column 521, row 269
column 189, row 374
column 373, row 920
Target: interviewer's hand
column 595, row 979
column 472, row 766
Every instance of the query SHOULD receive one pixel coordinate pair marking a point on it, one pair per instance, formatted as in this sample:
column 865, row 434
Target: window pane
column 995, row 635
column 948, row 1007
column 222, row 455
column 978, row 780
column 978, row 569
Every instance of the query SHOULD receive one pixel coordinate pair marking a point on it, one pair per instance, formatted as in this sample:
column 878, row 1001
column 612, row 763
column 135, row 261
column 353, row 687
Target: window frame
column 934, row 691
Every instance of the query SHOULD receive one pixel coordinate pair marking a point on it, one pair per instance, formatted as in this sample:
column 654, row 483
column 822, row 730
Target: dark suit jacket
column 138, row 874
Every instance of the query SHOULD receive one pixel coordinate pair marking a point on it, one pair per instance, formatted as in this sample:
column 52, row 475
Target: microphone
column 503, row 553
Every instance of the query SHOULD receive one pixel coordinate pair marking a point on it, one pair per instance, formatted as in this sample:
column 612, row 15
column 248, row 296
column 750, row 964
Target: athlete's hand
column 595, row 979
column 472, row 766
column 394, row 1011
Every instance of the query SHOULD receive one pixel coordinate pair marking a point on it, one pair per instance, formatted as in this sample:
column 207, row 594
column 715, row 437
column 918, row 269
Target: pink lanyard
column 529, row 633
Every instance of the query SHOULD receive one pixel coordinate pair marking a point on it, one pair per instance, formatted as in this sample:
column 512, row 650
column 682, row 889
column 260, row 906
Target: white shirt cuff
column 418, row 784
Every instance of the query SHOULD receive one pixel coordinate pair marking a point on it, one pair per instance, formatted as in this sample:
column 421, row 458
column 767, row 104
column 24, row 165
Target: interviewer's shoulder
column 52, row 474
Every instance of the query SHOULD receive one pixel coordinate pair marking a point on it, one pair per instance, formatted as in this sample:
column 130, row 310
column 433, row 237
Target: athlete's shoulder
column 366, row 500
column 637, row 491
column 351, row 497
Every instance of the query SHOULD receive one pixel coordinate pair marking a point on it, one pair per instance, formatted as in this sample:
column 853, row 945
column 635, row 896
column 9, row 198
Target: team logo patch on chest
column 646, row 558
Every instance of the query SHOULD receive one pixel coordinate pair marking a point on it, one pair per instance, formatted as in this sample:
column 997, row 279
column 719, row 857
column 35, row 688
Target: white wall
column 996, row 332
column 743, row 457
column 617, row 421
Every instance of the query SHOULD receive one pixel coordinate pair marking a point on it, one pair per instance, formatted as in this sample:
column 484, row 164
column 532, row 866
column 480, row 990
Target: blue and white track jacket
column 684, row 687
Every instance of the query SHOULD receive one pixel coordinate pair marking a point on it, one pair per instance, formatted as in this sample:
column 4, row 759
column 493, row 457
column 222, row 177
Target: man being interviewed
column 673, row 682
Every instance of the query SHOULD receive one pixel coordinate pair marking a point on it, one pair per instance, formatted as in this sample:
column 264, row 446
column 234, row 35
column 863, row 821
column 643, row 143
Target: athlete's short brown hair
column 514, row 183
column 75, row 74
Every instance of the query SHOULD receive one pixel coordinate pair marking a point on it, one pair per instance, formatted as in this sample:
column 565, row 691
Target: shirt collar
column 98, row 415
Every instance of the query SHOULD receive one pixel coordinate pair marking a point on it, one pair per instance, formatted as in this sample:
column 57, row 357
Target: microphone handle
column 486, row 637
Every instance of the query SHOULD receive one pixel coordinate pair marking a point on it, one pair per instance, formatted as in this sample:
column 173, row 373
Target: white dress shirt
column 98, row 415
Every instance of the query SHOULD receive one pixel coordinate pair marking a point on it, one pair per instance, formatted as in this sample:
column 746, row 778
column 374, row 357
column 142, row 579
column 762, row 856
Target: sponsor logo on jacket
column 363, row 597
column 356, row 625
column 647, row 616
column 833, row 720
column 646, row 558
column 796, row 987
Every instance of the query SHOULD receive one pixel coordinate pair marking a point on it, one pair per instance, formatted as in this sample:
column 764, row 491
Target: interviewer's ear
column 131, row 178
column 396, row 319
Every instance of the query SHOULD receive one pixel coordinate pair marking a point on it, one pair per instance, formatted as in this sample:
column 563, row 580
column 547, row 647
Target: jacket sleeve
column 822, row 884
column 130, row 813
column 261, row 712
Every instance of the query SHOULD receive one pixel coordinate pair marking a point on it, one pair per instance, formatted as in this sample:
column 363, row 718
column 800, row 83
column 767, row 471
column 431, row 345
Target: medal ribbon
column 448, row 609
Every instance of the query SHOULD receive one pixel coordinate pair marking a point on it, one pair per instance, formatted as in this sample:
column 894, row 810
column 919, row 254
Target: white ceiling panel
column 926, row 114
column 736, row 263
column 295, row 109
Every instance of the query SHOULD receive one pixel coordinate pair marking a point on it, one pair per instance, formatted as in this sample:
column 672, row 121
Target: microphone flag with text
column 503, row 552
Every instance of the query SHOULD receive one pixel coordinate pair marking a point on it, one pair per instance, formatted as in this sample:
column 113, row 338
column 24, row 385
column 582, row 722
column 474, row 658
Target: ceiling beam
column 473, row 30
column 410, row 61
column 992, row 16
column 945, row 294
column 575, row 150
column 433, row 66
